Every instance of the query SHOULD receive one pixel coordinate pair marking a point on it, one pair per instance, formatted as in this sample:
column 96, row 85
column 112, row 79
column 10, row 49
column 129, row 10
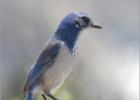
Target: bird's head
column 79, row 21
column 71, row 25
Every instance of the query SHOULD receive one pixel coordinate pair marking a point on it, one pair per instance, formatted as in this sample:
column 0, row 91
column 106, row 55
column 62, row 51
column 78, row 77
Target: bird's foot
column 52, row 97
column 44, row 97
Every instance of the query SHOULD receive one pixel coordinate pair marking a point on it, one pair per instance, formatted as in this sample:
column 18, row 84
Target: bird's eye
column 86, row 20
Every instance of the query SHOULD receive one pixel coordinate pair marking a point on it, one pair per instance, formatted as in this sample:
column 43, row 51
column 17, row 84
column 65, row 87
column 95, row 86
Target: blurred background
column 108, row 63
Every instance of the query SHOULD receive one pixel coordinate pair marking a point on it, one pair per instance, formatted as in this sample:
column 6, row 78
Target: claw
column 44, row 97
column 52, row 97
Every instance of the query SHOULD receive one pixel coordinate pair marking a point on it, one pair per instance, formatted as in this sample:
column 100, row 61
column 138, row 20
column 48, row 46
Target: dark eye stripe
column 86, row 20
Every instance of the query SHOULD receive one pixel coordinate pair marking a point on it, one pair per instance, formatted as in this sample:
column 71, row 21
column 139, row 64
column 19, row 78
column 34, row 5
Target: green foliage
column 64, row 94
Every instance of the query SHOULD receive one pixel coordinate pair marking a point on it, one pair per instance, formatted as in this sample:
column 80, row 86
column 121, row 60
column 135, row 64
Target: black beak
column 94, row 25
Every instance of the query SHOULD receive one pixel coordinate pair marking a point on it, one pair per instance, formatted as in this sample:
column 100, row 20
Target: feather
column 45, row 60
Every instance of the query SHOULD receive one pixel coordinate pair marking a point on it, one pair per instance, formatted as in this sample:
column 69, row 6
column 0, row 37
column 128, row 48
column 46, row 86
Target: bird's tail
column 30, row 96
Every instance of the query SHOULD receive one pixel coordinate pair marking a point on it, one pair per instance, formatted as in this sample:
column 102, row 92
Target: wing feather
column 45, row 61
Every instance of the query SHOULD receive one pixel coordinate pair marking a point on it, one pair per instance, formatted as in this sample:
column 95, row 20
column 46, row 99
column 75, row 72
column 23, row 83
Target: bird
column 57, row 58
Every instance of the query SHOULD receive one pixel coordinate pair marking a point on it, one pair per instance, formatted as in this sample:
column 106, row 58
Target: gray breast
column 57, row 73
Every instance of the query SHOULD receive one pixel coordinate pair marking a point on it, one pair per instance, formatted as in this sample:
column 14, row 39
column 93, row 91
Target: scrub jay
column 56, row 60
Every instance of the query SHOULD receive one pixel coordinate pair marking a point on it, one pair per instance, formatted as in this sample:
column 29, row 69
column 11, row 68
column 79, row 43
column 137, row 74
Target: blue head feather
column 68, row 30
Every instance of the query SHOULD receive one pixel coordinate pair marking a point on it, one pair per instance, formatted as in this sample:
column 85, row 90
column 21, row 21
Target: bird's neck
column 69, row 36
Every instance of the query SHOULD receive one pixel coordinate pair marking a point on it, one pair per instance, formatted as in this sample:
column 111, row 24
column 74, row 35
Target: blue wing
column 45, row 60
